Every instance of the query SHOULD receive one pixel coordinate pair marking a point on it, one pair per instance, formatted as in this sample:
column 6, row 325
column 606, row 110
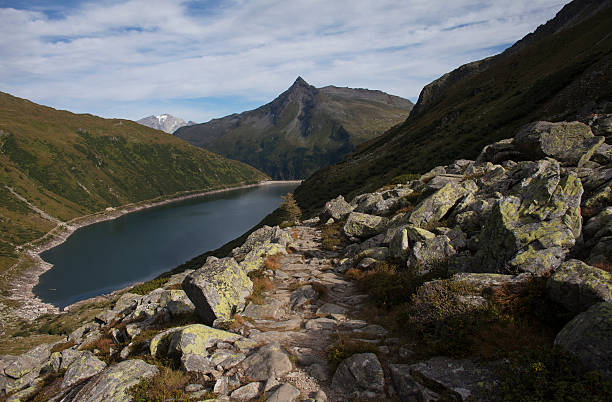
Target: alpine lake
column 138, row 246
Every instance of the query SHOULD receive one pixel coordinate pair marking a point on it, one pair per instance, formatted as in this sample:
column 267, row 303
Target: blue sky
column 205, row 59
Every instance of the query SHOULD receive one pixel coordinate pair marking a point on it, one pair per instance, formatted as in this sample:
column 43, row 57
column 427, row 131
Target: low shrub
column 169, row 384
column 147, row 287
column 550, row 374
column 272, row 262
column 261, row 285
column 345, row 347
column 332, row 236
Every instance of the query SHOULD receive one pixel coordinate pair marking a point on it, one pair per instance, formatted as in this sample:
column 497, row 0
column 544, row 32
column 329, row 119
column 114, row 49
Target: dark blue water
column 109, row 255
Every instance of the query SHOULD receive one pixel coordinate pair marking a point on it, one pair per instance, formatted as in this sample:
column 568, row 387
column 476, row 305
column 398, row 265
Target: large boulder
column 28, row 362
column 532, row 229
column 435, row 207
column 444, row 378
column 430, row 253
column 268, row 361
column 113, row 384
column 218, row 289
column 336, row 209
column 589, row 337
column 499, row 152
column 189, row 345
column 284, row 393
column 84, row 366
column 366, row 203
column 571, row 143
column 255, row 259
column 364, row 225
column 264, row 235
column 359, row 376
column 578, row 286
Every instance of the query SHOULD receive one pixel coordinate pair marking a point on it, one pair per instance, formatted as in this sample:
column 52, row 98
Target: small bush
column 272, row 262
column 289, row 209
column 147, row 287
column 261, row 285
column 332, row 236
column 405, row 178
column 344, row 348
column 549, row 374
column 167, row 385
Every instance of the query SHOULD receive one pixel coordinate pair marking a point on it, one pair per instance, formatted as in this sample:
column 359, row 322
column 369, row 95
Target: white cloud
column 112, row 56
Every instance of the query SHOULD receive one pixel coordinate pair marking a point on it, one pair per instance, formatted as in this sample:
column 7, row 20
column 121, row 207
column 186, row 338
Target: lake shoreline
column 30, row 306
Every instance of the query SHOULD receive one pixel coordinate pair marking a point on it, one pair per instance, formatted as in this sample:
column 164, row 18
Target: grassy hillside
column 302, row 130
column 561, row 75
column 69, row 165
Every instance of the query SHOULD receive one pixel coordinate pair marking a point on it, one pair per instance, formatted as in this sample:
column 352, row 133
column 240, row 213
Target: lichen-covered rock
column 161, row 342
column 270, row 310
column 126, row 302
column 176, row 302
column 599, row 225
column 571, row 143
column 600, row 198
column 444, row 378
column 578, row 286
column 429, row 253
column 84, row 366
column 417, row 234
column 601, row 254
column 366, row 203
column 589, row 337
column 336, row 209
column 399, row 245
column 190, row 344
column 499, row 152
column 28, row 362
column 254, row 260
column 377, row 253
column 114, row 383
column 434, row 207
column 364, row 225
column 264, row 235
column 359, row 375
column 268, row 361
column 218, row 289
column 533, row 230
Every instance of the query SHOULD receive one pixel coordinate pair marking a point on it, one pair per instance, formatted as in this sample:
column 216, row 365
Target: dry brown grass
column 321, row 289
column 62, row 346
column 103, row 345
column 500, row 339
column 295, row 235
column 167, row 385
column 404, row 210
column 261, row 285
column 272, row 262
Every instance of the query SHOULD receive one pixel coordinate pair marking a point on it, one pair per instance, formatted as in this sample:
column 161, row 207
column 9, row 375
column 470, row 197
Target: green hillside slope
column 302, row 130
column 69, row 165
column 562, row 72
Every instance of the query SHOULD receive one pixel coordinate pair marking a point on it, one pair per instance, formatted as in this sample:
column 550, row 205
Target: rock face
column 433, row 208
column 589, row 337
column 578, row 286
column 218, row 289
column 113, row 383
column 359, row 376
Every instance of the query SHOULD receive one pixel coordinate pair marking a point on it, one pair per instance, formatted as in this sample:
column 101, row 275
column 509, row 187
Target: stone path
column 308, row 309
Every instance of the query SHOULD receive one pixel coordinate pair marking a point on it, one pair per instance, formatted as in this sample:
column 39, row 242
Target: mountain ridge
column 302, row 129
column 564, row 75
column 165, row 122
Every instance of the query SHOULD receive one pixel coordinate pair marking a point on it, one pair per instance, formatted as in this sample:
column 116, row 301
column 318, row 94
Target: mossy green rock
column 578, row 286
column 589, row 337
column 114, row 383
column 572, row 143
column 364, row 225
column 218, row 289
column 434, row 207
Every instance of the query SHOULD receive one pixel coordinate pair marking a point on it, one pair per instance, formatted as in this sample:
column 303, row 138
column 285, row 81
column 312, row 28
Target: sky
column 203, row 59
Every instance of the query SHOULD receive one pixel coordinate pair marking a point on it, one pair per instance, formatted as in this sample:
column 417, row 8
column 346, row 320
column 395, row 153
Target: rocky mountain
column 304, row 129
column 165, row 122
column 475, row 281
column 562, row 71
column 56, row 166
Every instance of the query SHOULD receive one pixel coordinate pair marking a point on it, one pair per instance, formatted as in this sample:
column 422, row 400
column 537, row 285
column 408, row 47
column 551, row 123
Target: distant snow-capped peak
column 165, row 122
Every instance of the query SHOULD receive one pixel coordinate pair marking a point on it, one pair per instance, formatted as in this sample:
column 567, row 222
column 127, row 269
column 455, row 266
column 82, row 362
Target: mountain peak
column 165, row 122
column 299, row 81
